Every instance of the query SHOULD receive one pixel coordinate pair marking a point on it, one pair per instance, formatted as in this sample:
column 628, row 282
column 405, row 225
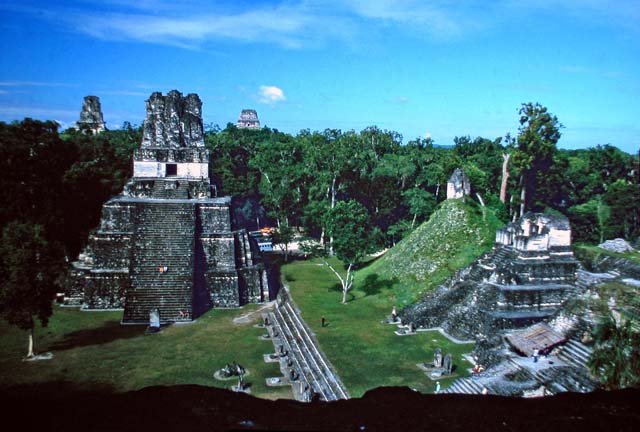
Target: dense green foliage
column 58, row 182
column 616, row 355
column 29, row 266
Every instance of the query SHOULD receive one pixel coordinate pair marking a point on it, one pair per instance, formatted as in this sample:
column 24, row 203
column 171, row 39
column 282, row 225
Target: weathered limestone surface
column 91, row 117
column 173, row 121
column 172, row 139
column 458, row 185
column 165, row 243
column 248, row 119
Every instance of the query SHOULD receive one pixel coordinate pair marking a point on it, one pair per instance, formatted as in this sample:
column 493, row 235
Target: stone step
column 575, row 353
column 464, row 386
column 312, row 366
column 165, row 237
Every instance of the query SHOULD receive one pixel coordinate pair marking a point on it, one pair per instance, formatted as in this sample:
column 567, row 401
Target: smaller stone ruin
column 91, row 118
column 458, row 185
column 525, row 279
column 616, row 245
column 248, row 119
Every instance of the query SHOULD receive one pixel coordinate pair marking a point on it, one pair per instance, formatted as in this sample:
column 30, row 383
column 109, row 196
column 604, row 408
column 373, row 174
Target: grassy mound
column 365, row 352
column 451, row 239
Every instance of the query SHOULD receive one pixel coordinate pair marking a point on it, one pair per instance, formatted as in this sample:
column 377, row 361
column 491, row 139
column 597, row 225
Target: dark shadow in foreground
column 61, row 407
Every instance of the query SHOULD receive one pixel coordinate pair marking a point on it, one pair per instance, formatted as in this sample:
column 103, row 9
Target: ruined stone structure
column 526, row 278
column 248, row 119
column 91, row 116
column 165, row 243
column 458, row 185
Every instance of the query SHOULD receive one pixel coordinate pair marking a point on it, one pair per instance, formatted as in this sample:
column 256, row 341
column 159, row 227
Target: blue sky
column 422, row 68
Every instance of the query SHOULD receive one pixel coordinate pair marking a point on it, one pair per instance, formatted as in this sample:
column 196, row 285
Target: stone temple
column 91, row 118
column 165, row 243
column 525, row 279
column 458, row 185
column 248, row 119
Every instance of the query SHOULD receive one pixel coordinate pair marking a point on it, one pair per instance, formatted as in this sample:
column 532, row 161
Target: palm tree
column 615, row 359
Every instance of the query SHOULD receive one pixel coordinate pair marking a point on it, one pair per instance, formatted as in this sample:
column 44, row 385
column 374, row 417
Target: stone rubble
column 616, row 245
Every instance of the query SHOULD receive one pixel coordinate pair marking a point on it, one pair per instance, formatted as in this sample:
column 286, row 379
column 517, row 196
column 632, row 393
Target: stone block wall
column 106, row 290
column 115, row 250
column 250, row 282
column 224, row 288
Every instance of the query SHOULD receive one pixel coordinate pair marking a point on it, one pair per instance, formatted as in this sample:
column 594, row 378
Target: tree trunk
column 413, row 222
column 346, row 285
column 484, row 210
column 333, row 204
column 505, row 177
column 437, row 191
column 30, row 343
column 346, row 282
column 523, row 195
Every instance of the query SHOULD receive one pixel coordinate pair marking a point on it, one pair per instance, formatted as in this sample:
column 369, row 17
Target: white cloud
column 295, row 24
column 290, row 25
column 427, row 135
column 270, row 94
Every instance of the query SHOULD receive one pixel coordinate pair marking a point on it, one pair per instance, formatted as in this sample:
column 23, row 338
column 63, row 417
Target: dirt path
column 251, row 316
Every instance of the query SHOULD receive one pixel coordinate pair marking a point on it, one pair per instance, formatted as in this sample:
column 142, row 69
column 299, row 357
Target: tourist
column 323, row 320
column 535, row 355
column 437, row 387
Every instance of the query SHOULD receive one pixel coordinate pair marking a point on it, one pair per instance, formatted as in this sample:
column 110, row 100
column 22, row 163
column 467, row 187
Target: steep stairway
column 316, row 374
column 162, row 267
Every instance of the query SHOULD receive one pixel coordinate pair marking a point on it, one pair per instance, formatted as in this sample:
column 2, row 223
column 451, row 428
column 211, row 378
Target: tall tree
column 29, row 267
column 348, row 223
column 538, row 134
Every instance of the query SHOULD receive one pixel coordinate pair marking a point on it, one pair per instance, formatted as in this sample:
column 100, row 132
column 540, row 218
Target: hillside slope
column 451, row 239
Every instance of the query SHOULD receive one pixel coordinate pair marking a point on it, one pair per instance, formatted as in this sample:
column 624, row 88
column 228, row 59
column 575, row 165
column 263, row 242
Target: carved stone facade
column 458, row 185
column 165, row 243
column 91, row 118
column 248, row 119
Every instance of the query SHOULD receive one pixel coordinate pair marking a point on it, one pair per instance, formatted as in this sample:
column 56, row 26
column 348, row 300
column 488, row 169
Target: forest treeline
column 59, row 180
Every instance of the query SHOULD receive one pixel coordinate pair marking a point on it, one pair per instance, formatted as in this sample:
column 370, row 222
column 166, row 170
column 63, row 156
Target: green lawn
column 365, row 352
column 92, row 350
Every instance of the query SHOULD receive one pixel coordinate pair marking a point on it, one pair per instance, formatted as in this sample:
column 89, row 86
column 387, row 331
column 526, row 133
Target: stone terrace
column 288, row 330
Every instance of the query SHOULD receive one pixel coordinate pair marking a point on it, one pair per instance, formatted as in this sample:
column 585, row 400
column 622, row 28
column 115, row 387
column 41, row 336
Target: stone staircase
column 574, row 353
column 171, row 189
column 569, row 374
column 292, row 336
column 165, row 239
column 464, row 386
